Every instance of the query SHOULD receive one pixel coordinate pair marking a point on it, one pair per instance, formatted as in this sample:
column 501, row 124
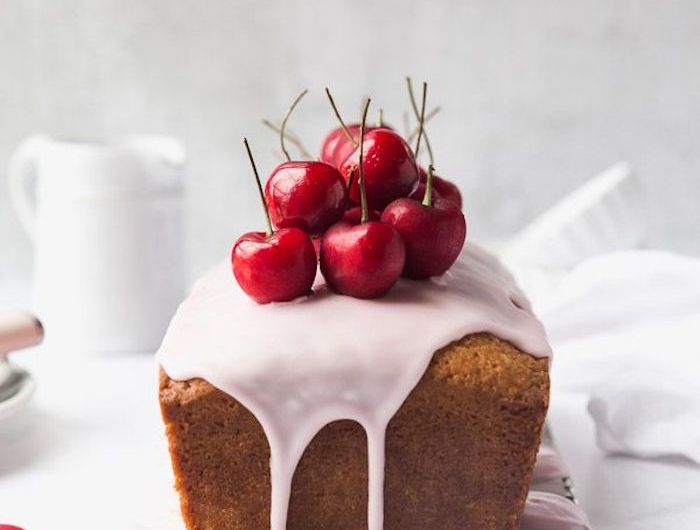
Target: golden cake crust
column 459, row 452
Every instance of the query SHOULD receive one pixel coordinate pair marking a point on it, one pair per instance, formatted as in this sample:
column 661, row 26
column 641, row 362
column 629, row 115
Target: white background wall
column 538, row 95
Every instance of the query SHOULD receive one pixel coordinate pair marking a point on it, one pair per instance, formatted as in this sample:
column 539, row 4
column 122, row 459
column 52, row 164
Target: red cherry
column 445, row 189
column 274, row 268
column 341, row 141
column 390, row 168
column 337, row 146
column 418, row 192
column 9, row 527
column 330, row 145
column 364, row 260
column 433, row 235
column 354, row 215
column 305, row 194
column 434, row 229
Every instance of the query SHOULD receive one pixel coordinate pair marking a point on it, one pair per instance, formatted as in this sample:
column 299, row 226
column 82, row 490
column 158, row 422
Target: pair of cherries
column 362, row 253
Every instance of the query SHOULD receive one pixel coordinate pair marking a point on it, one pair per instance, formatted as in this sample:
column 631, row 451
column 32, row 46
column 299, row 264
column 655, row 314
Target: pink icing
column 300, row 365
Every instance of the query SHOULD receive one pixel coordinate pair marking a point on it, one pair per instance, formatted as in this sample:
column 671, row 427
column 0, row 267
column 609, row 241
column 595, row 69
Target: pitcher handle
column 20, row 172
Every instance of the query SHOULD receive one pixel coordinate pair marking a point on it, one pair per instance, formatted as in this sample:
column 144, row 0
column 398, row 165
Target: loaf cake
column 419, row 411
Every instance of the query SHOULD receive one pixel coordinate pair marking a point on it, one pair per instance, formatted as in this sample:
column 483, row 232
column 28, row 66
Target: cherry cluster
column 366, row 212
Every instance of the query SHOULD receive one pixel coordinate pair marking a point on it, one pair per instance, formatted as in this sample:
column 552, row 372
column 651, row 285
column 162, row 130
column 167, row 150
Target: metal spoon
column 13, row 381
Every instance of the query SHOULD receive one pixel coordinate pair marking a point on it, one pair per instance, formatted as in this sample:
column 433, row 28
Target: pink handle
column 19, row 330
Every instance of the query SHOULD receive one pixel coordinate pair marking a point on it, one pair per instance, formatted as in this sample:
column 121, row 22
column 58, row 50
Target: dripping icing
column 301, row 365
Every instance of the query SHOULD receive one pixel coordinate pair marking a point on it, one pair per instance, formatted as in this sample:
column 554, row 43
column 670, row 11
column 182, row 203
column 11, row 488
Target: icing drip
column 301, row 365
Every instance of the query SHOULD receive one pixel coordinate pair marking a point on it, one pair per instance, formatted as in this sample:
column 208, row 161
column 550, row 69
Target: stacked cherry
column 366, row 211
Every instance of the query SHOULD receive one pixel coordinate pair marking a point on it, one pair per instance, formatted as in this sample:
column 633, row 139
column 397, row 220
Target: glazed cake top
column 300, row 365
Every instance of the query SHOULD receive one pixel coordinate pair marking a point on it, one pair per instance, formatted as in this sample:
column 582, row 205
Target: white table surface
column 89, row 452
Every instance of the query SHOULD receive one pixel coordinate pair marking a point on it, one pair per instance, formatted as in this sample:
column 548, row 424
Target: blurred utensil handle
column 19, row 330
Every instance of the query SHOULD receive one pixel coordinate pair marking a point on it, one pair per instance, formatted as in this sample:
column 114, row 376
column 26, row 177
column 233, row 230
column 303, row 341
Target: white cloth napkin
column 625, row 328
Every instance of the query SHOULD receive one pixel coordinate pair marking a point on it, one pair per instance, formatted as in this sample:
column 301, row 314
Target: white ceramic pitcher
column 106, row 221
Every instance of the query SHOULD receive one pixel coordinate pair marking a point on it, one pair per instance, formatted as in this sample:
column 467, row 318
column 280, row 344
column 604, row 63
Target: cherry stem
column 428, row 196
column 268, row 232
column 362, row 103
column 351, row 177
column 284, row 122
column 290, row 137
column 340, row 119
column 429, row 116
column 363, row 193
column 421, row 123
column 380, row 118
